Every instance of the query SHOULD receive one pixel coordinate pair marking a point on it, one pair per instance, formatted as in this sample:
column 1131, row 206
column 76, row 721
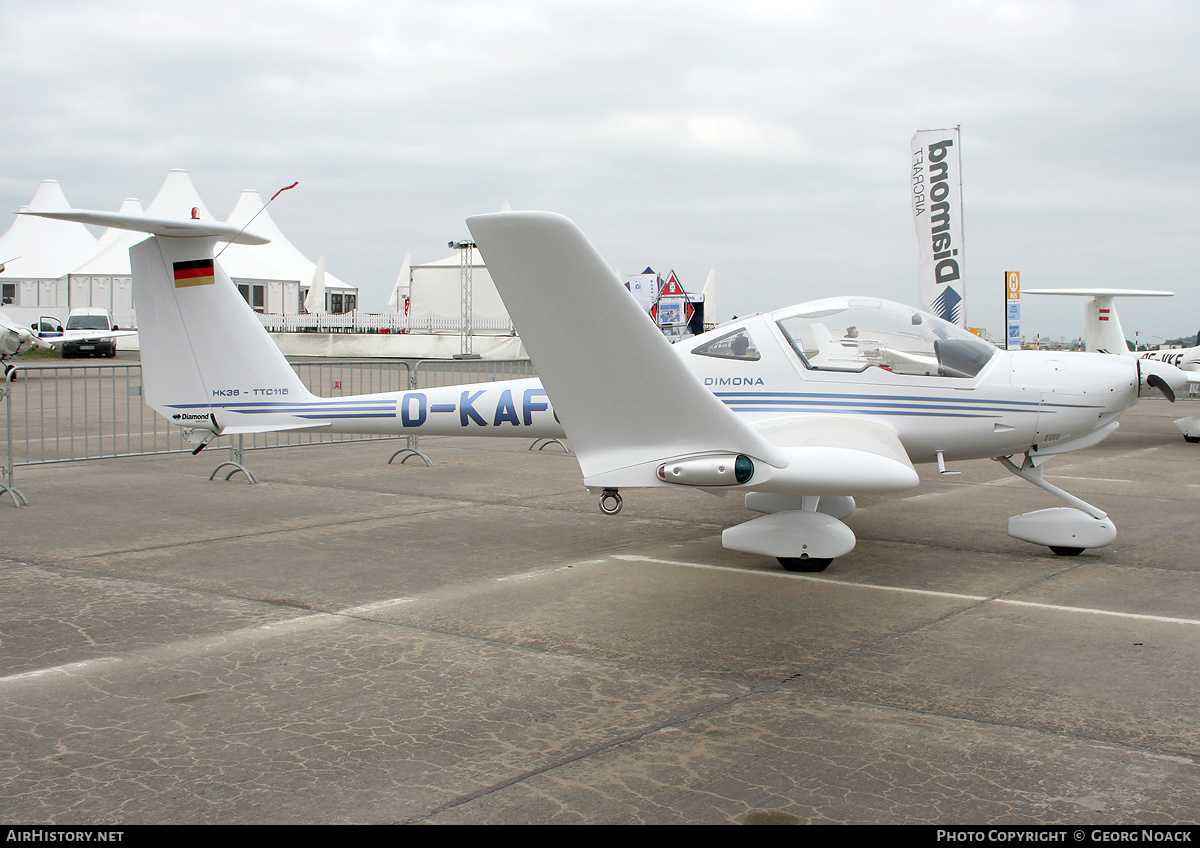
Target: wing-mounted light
column 723, row 470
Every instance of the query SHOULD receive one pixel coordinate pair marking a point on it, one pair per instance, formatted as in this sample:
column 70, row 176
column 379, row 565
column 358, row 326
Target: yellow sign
column 1012, row 282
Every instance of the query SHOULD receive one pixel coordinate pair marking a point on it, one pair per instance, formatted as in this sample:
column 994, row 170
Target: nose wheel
column 611, row 502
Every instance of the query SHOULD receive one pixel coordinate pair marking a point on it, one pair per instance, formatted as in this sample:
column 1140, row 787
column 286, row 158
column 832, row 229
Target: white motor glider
column 1168, row 371
column 766, row 407
column 15, row 339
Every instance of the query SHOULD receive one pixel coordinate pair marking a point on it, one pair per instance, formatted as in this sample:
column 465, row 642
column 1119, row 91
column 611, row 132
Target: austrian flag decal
column 195, row 272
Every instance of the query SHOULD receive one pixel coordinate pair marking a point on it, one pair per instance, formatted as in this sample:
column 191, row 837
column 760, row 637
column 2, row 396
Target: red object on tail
column 282, row 190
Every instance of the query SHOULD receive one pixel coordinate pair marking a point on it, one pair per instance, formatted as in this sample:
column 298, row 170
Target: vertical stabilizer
column 201, row 342
column 1102, row 330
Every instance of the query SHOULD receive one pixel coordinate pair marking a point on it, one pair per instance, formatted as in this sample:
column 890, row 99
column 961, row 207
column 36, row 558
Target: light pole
column 466, row 260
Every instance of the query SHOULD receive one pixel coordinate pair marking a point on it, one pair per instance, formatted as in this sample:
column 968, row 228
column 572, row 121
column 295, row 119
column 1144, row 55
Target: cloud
column 770, row 139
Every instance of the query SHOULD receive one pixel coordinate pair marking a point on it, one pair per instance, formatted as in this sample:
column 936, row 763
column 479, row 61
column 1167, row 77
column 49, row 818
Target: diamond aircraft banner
column 937, row 210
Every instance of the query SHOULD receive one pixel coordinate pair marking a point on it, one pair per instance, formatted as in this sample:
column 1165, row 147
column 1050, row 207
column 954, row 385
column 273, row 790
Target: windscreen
column 87, row 322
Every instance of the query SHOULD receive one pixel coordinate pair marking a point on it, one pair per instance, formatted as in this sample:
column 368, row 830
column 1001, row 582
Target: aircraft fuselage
column 792, row 367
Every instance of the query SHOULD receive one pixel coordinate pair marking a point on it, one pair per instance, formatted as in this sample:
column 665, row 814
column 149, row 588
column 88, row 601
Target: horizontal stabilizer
column 174, row 227
column 1102, row 292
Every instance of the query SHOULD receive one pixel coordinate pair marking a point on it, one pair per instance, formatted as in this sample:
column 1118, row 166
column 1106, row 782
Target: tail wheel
column 611, row 502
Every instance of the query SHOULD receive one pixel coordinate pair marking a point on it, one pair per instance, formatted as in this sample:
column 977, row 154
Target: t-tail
column 206, row 357
column 1102, row 332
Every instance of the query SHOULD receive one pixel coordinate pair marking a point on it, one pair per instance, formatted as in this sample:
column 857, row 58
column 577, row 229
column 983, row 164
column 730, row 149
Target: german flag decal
column 195, row 272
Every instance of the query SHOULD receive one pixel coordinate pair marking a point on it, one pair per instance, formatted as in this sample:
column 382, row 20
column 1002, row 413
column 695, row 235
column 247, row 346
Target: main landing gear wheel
column 1063, row 551
column 809, row 565
column 1191, row 439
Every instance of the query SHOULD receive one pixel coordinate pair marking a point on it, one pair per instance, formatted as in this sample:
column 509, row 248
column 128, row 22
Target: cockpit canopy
column 853, row 334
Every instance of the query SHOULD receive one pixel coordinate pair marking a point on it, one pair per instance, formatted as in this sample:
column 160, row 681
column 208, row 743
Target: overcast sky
column 767, row 139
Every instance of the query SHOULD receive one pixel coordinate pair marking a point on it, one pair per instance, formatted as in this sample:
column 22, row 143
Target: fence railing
column 421, row 321
column 56, row 413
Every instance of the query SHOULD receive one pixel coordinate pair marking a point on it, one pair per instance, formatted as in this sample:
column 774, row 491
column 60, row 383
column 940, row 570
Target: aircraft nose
column 1122, row 377
column 1097, row 387
column 1104, row 386
column 1100, row 377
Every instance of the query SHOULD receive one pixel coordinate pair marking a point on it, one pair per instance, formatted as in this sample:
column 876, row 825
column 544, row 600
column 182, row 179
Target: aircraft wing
column 843, row 455
column 625, row 398
column 630, row 405
column 15, row 340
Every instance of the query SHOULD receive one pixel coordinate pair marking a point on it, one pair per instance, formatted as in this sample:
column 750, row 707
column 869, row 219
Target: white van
column 77, row 342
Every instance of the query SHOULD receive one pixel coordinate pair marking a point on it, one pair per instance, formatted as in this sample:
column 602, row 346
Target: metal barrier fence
column 57, row 413
column 421, row 321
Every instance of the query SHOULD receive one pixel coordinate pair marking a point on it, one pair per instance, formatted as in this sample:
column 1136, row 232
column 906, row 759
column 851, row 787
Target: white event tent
column 435, row 297
column 38, row 253
column 278, row 273
column 60, row 266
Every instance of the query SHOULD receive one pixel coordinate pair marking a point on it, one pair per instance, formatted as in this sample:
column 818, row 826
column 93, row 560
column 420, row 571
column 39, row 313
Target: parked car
column 78, row 343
